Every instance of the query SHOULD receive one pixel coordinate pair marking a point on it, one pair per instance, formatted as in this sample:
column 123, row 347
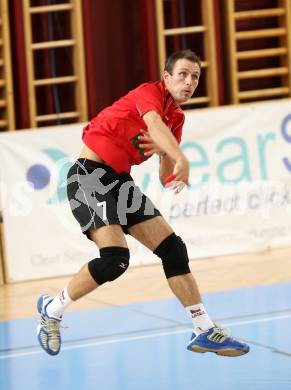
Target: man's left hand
column 148, row 145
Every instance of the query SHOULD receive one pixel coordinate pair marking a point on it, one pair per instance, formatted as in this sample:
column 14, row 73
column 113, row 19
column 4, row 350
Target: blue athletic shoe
column 217, row 340
column 48, row 330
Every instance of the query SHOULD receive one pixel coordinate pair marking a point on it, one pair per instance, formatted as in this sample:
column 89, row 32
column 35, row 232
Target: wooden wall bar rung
column 274, row 52
column 198, row 100
column 263, row 73
column 63, row 115
column 264, row 33
column 184, row 30
column 259, row 13
column 53, row 44
column 51, row 8
column 55, row 80
column 258, row 93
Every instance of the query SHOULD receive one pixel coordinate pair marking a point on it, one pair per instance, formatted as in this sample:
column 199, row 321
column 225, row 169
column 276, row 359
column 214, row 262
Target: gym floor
column 135, row 337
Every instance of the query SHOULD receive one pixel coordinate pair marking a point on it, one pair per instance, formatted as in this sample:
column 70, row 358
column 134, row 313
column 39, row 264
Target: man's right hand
column 182, row 170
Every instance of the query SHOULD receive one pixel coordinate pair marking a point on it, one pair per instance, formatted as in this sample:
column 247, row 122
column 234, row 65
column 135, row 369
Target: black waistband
column 91, row 164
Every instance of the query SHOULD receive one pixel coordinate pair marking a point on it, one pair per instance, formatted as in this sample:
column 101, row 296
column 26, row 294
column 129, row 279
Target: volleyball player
column 108, row 205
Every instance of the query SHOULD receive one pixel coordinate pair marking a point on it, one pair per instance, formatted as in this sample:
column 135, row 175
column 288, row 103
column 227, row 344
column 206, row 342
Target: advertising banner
column 239, row 199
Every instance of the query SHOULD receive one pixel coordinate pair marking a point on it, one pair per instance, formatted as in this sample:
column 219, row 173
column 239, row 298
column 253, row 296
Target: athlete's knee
column 113, row 262
column 173, row 253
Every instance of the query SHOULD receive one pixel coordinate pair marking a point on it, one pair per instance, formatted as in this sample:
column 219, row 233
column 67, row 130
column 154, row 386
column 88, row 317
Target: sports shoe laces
column 53, row 329
column 52, row 335
column 219, row 335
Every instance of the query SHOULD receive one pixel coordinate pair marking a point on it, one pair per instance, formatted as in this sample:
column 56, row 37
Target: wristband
column 169, row 179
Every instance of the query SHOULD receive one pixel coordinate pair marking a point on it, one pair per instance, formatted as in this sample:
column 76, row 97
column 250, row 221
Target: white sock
column 199, row 317
column 58, row 305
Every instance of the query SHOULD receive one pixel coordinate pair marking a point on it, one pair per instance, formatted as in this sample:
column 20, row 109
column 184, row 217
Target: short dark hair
column 180, row 54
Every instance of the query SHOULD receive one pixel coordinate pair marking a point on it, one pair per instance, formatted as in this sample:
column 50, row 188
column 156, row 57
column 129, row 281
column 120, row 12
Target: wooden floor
column 148, row 282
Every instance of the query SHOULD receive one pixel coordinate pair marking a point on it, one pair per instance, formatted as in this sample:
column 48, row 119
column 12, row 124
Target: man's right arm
column 166, row 141
column 166, row 168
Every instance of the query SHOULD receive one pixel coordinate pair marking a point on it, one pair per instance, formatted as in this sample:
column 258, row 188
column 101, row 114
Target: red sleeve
column 149, row 98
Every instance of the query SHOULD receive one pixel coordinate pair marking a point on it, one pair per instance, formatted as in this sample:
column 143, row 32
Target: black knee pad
column 173, row 253
column 113, row 262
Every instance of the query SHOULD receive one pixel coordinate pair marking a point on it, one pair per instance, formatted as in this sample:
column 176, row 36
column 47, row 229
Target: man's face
column 183, row 81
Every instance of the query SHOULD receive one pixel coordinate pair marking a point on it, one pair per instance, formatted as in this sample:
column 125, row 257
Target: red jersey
column 113, row 133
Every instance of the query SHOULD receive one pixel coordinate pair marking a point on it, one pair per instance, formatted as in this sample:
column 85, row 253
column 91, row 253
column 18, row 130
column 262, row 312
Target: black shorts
column 99, row 196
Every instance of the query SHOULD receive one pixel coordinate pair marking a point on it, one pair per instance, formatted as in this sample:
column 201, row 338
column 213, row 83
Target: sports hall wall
column 62, row 61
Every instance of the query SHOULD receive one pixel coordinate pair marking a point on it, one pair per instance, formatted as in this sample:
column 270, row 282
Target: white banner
column 240, row 195
column 40, row 235
column 239, row 199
